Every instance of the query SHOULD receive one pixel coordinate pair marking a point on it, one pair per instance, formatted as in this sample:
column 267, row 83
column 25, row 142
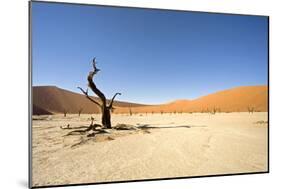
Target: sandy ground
column 212, row 144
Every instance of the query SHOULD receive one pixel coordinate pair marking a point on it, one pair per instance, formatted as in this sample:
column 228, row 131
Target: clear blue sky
column 150, row 56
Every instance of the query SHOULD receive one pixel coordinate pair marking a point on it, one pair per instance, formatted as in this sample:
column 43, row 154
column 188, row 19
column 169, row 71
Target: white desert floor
column 224, row 143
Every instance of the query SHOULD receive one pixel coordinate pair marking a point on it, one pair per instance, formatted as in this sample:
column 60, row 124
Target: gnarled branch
column 92, row 84
column 96, row 70
column 86, row 94
column 112, row 100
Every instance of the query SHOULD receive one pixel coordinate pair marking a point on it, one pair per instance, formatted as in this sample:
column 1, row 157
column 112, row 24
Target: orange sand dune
column 236, row 99
column 55, row 100
column 231, row 100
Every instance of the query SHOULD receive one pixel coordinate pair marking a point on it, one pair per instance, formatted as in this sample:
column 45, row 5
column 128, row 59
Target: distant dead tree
column 64, row 112
column 105, row 108
column 161, row 112
column 251, row 109
column 80, row 111
column 215, row 110
column 152, row 112
column 130, row 111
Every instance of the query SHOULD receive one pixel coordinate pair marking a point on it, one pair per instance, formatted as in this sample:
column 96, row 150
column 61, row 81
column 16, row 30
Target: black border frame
column 30, row 100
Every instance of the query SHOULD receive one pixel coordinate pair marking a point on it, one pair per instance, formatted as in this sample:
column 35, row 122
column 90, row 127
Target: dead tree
column 130, row 111
column 80, row 111
column 251, row 109
column 64, row 112
column 105, row 108
column 215, row 110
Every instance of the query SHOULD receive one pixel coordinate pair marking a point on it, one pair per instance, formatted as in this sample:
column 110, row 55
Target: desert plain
column 168, row 145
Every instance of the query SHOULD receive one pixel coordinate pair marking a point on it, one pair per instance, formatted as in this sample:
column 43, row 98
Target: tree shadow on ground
column 167, row 127
column 97, row 133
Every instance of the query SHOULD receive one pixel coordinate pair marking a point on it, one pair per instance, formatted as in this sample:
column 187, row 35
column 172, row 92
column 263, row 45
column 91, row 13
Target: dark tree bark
column 105, row 109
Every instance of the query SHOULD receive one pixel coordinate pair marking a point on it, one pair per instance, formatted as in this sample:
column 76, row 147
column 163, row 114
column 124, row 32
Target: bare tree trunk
column 105, row 109
column 106, row 121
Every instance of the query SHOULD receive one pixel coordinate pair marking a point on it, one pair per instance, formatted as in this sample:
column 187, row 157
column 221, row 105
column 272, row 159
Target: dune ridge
column 232, row 100
column 51, row 99
column 56, row 100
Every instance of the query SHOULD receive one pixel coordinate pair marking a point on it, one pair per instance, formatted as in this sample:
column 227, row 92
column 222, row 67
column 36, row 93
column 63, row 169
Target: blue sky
column 150, row 56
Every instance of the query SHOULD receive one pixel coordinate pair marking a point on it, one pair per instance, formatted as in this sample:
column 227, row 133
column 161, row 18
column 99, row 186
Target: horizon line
column 167, row 102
